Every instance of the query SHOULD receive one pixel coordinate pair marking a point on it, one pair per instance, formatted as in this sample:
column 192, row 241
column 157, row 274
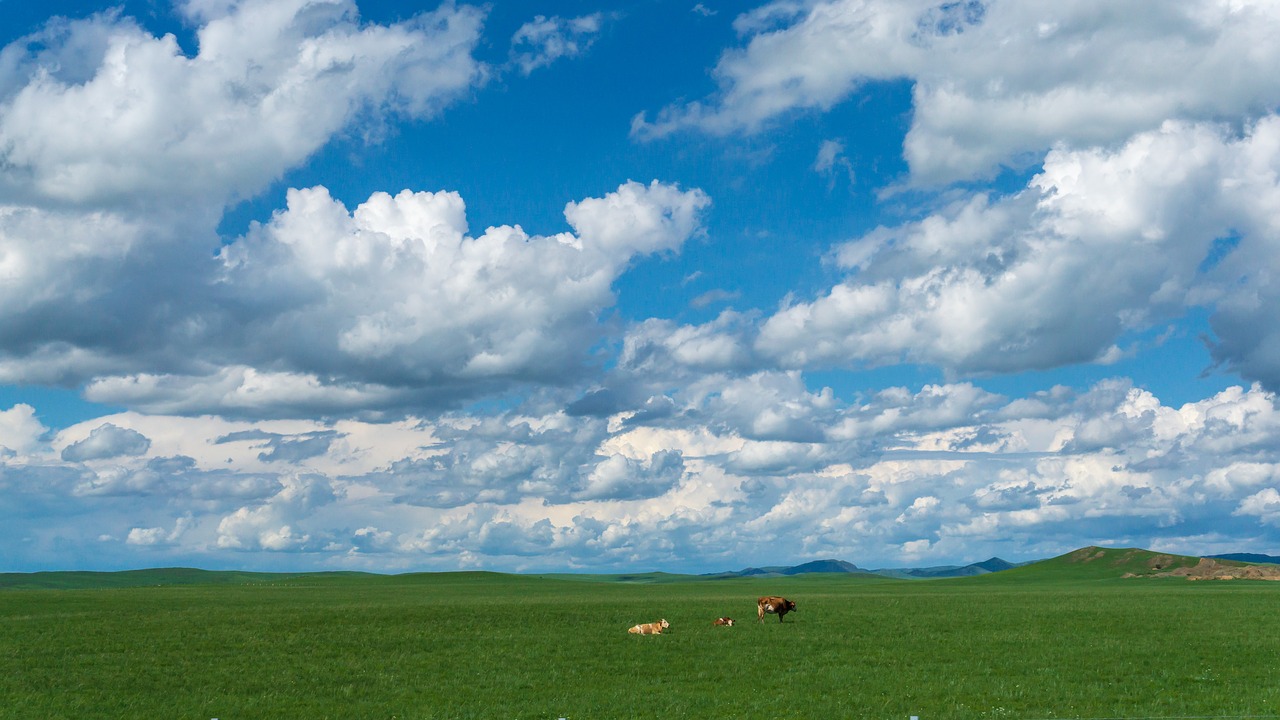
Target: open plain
column 1058, row 639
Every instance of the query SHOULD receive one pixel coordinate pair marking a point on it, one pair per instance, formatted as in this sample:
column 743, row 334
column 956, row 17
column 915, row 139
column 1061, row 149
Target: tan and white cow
column 774, row 605
column 653, row 628
column 726, row 621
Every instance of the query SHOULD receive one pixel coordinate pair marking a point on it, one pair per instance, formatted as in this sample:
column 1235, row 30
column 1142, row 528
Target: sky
column 609, row 286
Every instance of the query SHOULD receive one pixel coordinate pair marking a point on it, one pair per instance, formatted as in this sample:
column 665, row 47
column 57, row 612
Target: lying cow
column 653, row 628
column 726, row 621
column 774, row 605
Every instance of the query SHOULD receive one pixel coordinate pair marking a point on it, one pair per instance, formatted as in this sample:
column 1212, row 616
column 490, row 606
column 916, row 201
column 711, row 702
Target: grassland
column 1044, row 641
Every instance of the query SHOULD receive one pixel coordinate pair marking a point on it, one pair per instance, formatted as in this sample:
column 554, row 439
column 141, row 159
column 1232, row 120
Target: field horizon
column 1136, row 561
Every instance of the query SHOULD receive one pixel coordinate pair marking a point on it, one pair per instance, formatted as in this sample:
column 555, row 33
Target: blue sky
column 324, row 284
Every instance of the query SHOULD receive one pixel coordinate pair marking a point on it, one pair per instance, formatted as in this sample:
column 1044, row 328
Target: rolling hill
column 1100, row 563
column 840, row 566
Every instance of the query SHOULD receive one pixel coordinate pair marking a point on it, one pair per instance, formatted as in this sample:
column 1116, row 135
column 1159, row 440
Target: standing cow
column 774, row 605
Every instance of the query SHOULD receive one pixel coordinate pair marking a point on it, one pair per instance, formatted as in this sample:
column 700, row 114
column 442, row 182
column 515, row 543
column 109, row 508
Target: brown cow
column 726, row 621
column 774, row 605
column 653, row 628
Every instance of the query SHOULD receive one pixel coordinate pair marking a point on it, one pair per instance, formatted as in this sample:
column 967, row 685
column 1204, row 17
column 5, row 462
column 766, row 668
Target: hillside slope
column 1098, row 563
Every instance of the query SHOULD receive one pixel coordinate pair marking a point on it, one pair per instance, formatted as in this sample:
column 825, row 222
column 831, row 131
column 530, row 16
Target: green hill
column 1098, row 563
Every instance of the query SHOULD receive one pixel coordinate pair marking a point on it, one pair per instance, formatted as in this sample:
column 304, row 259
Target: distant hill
column 1084, row 563
column 995, row 564
column 823, row 566
column 1098, row 563
column 1248, row 557
column 1091, row 562
column 1095, row 562
column 76, row 579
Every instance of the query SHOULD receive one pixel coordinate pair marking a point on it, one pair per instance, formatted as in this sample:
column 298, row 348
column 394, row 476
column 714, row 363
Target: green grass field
column 1044, row 641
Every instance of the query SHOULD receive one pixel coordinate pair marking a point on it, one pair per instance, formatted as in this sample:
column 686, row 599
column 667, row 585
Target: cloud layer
column 946, row 471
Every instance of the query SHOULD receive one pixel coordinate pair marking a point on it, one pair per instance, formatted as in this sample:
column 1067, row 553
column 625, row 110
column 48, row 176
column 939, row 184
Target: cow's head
column 791, row 606
column 665, row 624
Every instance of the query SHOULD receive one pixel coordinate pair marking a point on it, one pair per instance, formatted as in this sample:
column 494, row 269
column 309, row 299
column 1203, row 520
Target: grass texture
column 1044, row 641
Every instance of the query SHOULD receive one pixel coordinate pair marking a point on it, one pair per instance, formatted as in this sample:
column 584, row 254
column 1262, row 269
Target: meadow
column 1044, row 641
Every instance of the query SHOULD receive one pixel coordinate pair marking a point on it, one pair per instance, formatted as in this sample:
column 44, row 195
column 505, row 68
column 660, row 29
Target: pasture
column 1027, row 643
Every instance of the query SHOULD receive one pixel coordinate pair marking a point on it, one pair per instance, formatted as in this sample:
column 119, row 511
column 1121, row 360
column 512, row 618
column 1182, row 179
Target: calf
column 774, row 605
column 726, row 621
column 653, row 628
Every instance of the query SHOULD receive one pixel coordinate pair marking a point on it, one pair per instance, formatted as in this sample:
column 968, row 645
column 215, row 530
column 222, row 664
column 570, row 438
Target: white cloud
column 393, row 304
column 994, row 81
column 949, row 468
column 1264, row 505
column 274, row 525
column 831, row 161
column 107, row 441
column 620, row 477
column 769, row 406
column 119, row 153
column 1100, row 244
column 20, row 430
column 544, row 40
column 135, row 120
column 158, row 536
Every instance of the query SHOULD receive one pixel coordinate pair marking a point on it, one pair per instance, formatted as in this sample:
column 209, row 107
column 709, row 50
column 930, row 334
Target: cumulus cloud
column 319, row 310
column 107, row 441
column 624, row 478
column 1264, row 504
column 544, row 40
column 1101, row 245
column 20, row 430
column 132, row 119
column 119, row 153
column 342, row 310
column 395, row 304
column 994, row 81
column 764, row 470
column 278, row 524
column 158, row 536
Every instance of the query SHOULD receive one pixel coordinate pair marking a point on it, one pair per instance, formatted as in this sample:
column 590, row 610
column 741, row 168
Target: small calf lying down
column 653, row 628
column 726, row 621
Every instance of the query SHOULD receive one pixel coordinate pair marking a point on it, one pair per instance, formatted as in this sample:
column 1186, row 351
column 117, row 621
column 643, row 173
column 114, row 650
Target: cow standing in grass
column 774, row 605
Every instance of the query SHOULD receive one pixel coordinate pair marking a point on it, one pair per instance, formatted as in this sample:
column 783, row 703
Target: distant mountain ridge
column 1090, row 562
column 1248, row 557
column 991, row 565
column 985, row 567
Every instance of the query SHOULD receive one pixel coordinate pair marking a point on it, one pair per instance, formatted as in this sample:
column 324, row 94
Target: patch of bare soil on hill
column 1210, row 569
column 1087, row 554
